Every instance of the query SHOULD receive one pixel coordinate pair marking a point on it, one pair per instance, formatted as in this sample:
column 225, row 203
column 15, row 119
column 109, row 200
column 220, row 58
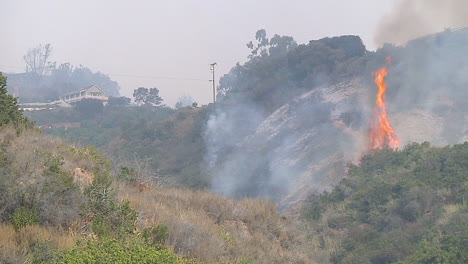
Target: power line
column 138, row 76
column 158, row 77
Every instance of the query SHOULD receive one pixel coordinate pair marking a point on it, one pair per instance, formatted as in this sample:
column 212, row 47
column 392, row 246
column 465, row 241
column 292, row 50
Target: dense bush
column 156, row 235
column 393, row 203
column 127, row 174
column 24, row 216
column 444, row 246
column 114, row 251
column 110, row 218
column 89, row 107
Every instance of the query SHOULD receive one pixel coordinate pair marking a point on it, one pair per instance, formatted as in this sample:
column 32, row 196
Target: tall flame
column 382, row 133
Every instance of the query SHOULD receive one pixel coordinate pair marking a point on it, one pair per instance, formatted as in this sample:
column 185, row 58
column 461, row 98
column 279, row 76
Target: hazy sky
column 136, row 41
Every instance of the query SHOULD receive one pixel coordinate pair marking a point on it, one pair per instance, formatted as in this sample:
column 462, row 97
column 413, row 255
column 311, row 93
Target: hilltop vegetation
column 279, row 69
column 407, row 206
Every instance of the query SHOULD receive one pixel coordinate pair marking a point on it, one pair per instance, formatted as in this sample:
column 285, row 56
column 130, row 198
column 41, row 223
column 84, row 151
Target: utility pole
column 212, row 68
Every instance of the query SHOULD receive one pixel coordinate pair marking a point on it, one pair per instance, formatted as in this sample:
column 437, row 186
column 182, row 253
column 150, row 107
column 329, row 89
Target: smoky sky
column 137, row 41
column 410, row 19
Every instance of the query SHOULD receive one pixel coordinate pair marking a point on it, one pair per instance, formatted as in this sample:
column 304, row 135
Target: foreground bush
column 114, row 251
column 24, row 216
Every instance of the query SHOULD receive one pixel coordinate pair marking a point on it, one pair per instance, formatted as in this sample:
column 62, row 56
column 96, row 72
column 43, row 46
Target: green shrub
column 125, row 219
column 43, row 252
column 114, row 251
column 58, row 198
column 156, row 235
column 244, row 260
column 24, row 216
column 111, row 218
column 101, row 227
column 127, row 174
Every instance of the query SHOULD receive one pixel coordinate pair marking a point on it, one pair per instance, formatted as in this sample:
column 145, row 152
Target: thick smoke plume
column 410, row 19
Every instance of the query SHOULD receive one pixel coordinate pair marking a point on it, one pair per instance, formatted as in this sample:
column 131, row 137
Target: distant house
column 91, row 92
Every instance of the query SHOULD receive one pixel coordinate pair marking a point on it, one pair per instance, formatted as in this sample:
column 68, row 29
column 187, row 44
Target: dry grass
column 214, row 229
column 449, row 211
column 28, row 151
column 15, row 246
column 326, row 241
column 30, row 146
column 202, row 225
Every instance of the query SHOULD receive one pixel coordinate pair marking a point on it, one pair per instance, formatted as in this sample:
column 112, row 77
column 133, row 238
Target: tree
column 147, row 96
column 37, row 60
column 184, row 101
column 89, row 107
column 9, row 110
column 262, row 44
column 118, row 101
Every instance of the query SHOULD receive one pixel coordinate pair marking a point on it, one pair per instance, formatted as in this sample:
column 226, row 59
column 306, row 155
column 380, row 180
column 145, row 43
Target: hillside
column 62, row 204
column 55, row 195
column 300, row 144
column 406, row 206
column 289, row 119
column 164, row 144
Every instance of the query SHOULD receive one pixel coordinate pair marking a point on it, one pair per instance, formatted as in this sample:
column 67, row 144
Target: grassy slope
column 212, row 228
column 201, row 225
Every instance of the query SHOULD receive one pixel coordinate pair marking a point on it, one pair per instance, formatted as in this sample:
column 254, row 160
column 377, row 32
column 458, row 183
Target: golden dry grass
column 30, row 146
column 214, row 229
column 202, row 225
column 15, row 246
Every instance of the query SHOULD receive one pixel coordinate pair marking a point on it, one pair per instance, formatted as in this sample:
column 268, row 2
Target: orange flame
column 382, row 133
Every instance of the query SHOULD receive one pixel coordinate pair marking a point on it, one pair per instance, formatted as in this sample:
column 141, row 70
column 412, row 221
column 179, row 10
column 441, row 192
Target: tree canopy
column 9, row 110
column 280, row 69
column 147, row 96
column 37, row 60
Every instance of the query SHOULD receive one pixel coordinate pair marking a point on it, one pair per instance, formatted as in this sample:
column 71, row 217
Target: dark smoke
column 410, row 19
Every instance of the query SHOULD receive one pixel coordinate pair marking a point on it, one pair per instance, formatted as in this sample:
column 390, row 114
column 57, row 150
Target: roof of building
column 84, row 89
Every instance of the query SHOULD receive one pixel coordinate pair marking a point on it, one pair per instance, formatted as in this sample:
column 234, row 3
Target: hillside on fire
column 290, row 118
column 323, row 137
column 317, row 146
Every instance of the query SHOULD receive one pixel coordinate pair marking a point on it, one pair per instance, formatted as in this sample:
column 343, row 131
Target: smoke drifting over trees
column 288, row 122
column 414, row 18
column 44, row 80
